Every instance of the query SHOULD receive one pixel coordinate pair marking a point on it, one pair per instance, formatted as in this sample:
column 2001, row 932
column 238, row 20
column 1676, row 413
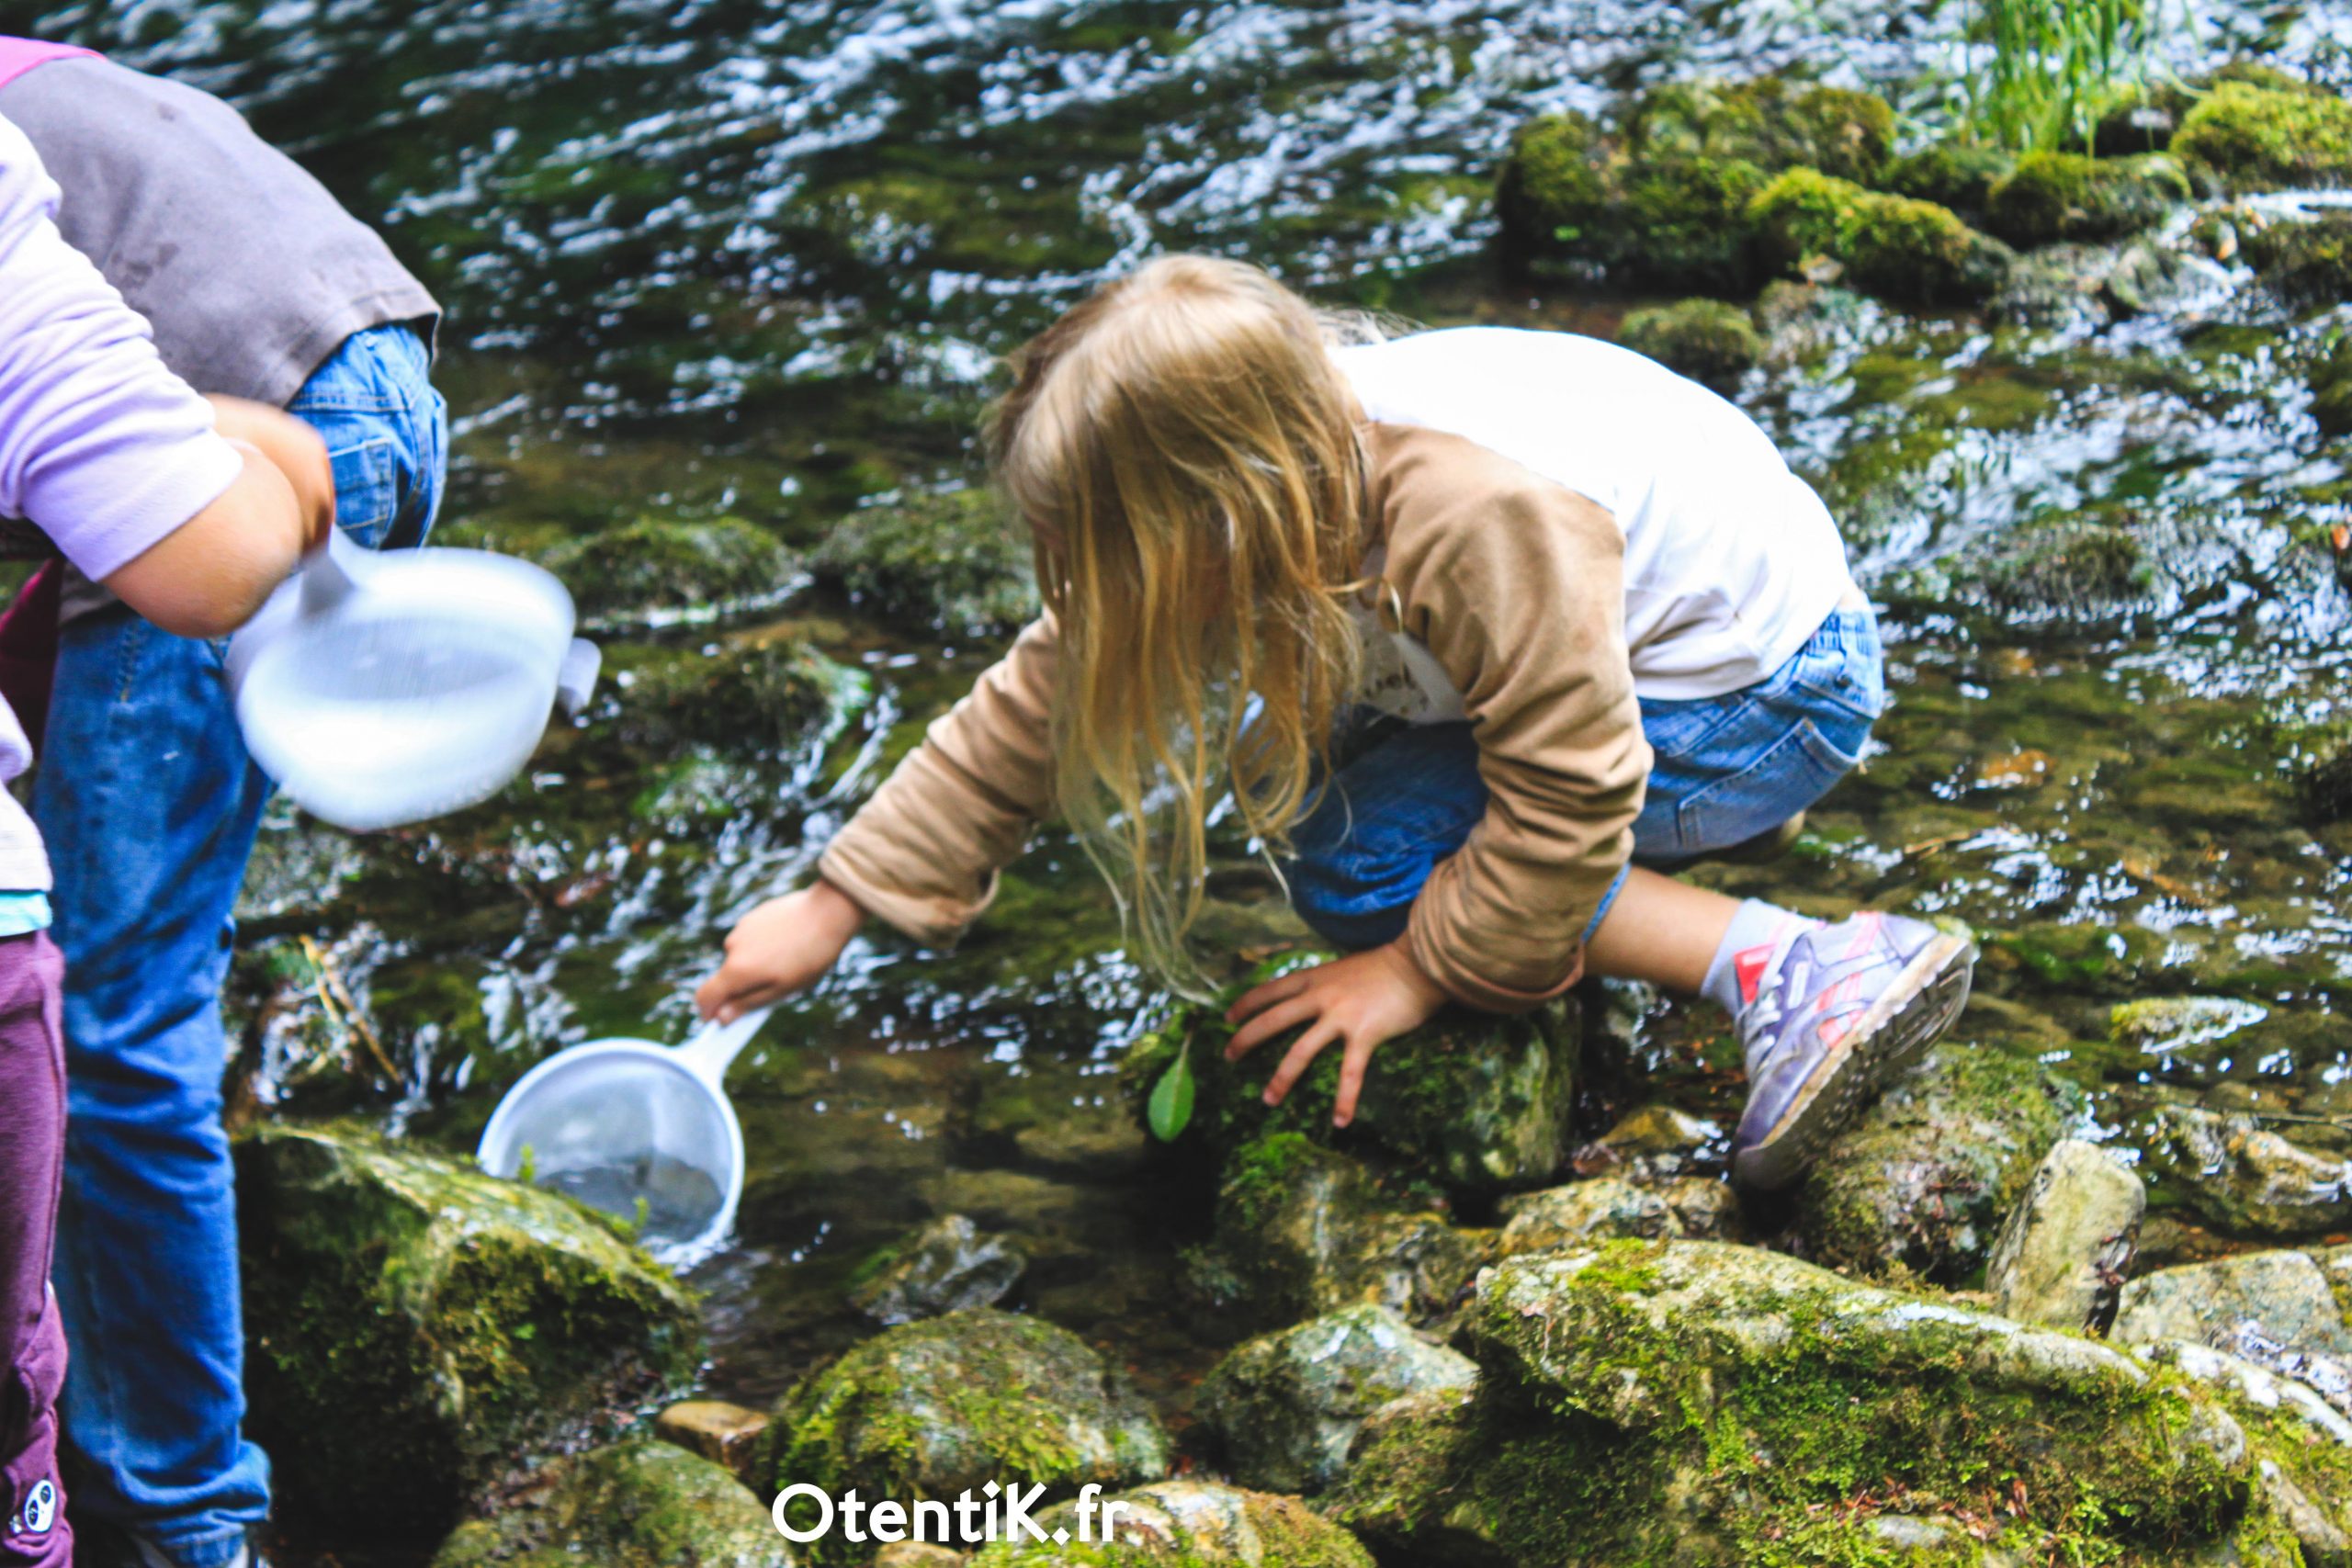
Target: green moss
column 952, row 562
column 2078, row 567
column 1887, row 244
column 2051, row 196
column 1706, row 340
column 1768, row 122
column 641, row 1504
column 656, row 566
column 2256, row 138
column 2330, row 382
column 761, row 697
column 1190, row 1523
column 2308, row 262
column 932, row 1409
column 1956, row 174
column 418, row 1330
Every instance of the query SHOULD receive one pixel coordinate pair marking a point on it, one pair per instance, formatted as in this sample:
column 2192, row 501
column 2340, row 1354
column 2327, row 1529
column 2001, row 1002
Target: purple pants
column 32, row 1340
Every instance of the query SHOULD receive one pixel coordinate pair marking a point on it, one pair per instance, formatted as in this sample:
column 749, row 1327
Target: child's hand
column 1362, row 1000
column 779, row 948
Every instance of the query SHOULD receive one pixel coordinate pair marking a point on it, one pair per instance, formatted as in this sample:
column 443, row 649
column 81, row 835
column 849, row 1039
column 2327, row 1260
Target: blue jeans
column 149, row 804
column 1724, row 770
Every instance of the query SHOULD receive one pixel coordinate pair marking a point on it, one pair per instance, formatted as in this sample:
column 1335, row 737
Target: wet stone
column 1189, row 1524
column 476, row 1322
column 1288, row 1404
column 2246, row 1179
column 2287, row 1298
column 659, row 569
column 945, row 1267
column 1654, row 1143
column 954, row 562
column 950, row 1403
column 1920, row 1184
column 728, row 1435
column 916, row 1554
column 642, row 1504
column 2062, row 1255
column 1710, row 342
column 1606, row 1206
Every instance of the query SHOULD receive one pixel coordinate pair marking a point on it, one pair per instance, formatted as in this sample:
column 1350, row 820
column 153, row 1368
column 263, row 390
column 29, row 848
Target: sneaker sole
column 1894, row 1032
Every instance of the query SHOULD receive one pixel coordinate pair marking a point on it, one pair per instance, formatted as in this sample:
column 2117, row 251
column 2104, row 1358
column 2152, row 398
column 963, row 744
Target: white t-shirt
column 1731, row 561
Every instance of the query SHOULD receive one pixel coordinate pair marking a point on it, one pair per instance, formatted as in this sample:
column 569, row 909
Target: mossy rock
column 933, row 1408
column 1768, row 122
column 2245, row 1178
column 954, row 562
column 1958, row 174
column 1890, row 245
column 760, row 698
column 2251, row 138
column 2051, row 196
column 1470, row 1101
column 2073, row 567
column 1288, row 1404
column 1303, row 1230
column 640, row 1503
column 1695, row 1402
column 1921, row 1183
column 1188, row 1523
column 657, row 568
column 418, row 1331
column 2308, row 262
column 1708, row 340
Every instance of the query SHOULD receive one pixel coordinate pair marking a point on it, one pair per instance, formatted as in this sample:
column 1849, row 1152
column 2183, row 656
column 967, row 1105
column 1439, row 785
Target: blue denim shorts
column 1724, row 770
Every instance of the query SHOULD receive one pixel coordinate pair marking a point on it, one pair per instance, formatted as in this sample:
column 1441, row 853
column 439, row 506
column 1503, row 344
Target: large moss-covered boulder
column 1921, row 1183
column 1470, row 1101
column 641, row 1504
column 1185, row 1524
column 2051, row 196
column 2245, row 1178
column 418, row 1331
column 1707, row 339
column 1956, row 174
column 2252, row 137
column 954, row 562
column 1288, row 1404
column 952, row 1404
column 1664, row 198
column 1890, row 245
column 1302, row 1229
column 661, row 568
column 1695, row 1403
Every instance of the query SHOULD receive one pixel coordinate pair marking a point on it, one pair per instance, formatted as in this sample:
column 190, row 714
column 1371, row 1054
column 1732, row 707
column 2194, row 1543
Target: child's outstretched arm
column 922, row 855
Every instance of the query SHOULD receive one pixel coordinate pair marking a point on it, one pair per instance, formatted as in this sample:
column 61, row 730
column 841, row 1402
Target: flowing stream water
column 756, row 256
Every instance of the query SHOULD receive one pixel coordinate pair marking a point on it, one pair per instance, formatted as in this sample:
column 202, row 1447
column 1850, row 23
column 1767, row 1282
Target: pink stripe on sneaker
column 19, row 55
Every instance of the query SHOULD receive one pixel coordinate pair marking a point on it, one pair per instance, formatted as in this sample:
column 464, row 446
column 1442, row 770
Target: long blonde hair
column 1185, row 452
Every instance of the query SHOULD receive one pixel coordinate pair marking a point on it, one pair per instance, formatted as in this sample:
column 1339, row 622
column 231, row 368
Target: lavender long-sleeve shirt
column 100, row 446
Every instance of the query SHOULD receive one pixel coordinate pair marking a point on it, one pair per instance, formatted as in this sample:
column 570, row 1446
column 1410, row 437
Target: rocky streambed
column 724, row 287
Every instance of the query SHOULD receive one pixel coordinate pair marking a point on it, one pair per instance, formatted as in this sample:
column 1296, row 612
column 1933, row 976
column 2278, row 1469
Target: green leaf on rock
column 1171, row 1098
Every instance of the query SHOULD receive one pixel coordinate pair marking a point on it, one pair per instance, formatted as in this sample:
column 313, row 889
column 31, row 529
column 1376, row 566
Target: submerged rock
column 1470, row 1101
column 759, row 697
column 2178, row 1026
column 418, row 1331
column 1653, row 1145
column 1188, row 1523
column 1606, row 1207
column 1694, row 1402
column 659, row 566
column 1707, row 339
column 1288, row 1404
column 2330, row 382
column 2074, row 567
column 2245, row 1178
column 1890, row 245
column 950, row 1404
column 954, row 562
column 639, row 1505
column 2252, row 137
column 1303, row 1230
column 946, row 1266
column 2308, row 261
column 2063, row 1253
column 1921, row 1183
column 2051, row 196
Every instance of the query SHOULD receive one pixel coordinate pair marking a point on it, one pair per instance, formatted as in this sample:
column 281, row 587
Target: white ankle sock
column 1759, row 934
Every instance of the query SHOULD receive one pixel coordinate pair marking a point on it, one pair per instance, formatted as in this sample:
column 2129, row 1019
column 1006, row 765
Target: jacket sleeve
column 1516, row 585
column 922, row 855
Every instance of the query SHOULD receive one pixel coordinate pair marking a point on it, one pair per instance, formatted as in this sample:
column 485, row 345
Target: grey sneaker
column 1846, row 1007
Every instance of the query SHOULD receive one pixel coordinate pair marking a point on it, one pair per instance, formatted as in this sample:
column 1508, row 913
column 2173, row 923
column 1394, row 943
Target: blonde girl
column 1477, row 630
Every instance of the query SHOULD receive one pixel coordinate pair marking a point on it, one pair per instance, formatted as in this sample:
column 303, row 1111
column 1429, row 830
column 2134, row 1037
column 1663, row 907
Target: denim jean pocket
column 367, row 488
column 1848, row 673
column 1785, row 778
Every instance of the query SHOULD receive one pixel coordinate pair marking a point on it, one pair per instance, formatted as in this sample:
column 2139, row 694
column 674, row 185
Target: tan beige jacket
column 1514, row 584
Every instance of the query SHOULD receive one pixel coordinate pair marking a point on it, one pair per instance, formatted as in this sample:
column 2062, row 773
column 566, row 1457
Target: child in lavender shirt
column 191, row 510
